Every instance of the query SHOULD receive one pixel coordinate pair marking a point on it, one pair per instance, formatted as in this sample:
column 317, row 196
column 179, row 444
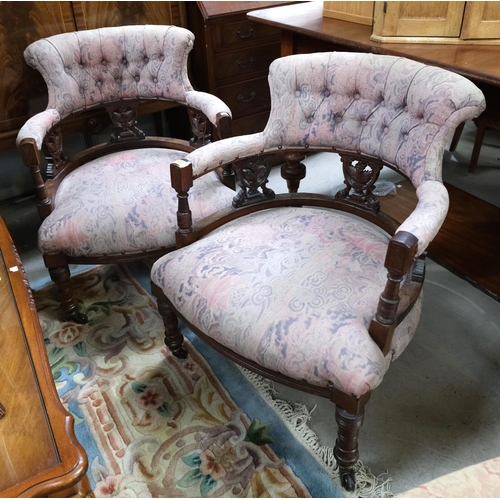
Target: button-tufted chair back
column 113, row 200
column 395, row 109
column 88, row 68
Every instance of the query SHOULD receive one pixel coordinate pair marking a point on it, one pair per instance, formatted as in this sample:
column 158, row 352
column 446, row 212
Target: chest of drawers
column 231, row 58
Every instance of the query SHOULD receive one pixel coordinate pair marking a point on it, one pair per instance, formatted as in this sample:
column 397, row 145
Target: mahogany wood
column 244, row 99
column 346, row 446
column 92, row 15
column 40, row 454
column 306, row 21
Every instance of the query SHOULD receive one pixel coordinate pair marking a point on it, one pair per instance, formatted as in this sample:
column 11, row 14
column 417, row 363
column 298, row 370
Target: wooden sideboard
column 39, row 454
column 22, row 89
column 231, row 58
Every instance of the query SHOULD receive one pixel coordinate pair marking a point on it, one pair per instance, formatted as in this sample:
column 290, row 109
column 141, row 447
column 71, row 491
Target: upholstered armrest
column 429, row 214
column 37, row 126
column 210, row 105
column 225, row 151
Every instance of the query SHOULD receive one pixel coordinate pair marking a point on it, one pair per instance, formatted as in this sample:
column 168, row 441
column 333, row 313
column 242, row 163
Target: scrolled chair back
column 395, row 109
column 89, row 68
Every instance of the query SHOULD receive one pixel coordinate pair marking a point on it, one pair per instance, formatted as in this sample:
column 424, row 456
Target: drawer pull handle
column 243, row 66
column 242, row 99
column 250, row 33
column 2, row 410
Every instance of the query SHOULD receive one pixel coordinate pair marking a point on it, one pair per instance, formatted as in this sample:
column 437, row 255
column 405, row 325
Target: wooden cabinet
column 231, row 58
column 470, row 22
column 23, row 92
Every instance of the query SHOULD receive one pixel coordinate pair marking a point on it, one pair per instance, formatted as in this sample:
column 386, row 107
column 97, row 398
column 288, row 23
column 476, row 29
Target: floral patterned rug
column 156, row 426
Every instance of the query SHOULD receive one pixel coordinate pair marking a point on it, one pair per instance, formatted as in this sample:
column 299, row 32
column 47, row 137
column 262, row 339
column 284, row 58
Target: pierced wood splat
column 54, row 152
column 360, row 175
column 252, row 178
column 124, row 118
column 200, row 127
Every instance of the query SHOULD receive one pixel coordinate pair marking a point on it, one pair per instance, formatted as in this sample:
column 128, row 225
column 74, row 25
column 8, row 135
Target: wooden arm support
column 224, row 131
column 181, row 174
column 223, row 125
column 398, row 262
column 31, row 158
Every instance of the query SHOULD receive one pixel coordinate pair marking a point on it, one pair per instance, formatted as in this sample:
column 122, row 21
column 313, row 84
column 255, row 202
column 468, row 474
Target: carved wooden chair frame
column 126, row 135
column 403, row 266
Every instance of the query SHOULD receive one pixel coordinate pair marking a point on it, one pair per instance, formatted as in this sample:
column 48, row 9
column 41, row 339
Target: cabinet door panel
column 481, row 20
column 433, row 19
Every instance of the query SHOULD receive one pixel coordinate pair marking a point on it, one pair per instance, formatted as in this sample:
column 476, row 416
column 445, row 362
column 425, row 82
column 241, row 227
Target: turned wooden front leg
column 61, row 278
column 293, row 171
column 346, row 447
column 173, row 336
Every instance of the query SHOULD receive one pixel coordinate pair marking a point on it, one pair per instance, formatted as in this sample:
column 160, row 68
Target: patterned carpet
column 156, row 426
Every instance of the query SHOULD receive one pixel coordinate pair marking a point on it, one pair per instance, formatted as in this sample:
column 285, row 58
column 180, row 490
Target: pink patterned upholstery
column 389, row 107
column 293, row 289
column 124, row 202
column 115, row 200
column 318, row 298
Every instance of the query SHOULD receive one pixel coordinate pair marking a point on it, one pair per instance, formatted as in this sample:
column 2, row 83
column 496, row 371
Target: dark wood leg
column 173, row 336
column 456, row 136
column 478, row 142
column 293, row 171
column 346, row 447
column 61, row 278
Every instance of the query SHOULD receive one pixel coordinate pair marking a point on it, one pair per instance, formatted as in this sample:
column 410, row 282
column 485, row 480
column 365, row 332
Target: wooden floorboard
column 469, row 241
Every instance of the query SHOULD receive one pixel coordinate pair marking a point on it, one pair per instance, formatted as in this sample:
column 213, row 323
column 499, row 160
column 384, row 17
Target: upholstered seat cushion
column 124, row 202
column 293, row 289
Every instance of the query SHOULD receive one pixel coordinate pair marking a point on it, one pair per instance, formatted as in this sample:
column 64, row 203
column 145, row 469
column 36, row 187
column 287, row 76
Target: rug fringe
column 297, row 418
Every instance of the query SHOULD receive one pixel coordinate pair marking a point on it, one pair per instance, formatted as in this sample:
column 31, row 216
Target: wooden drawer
column 234, row 34
column 250, row 124
column 244, row 62
column 244, row 98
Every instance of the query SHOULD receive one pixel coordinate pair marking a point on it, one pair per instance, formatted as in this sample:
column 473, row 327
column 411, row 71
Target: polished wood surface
column 92, row 15
column 39, row 454
column 480, row 63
